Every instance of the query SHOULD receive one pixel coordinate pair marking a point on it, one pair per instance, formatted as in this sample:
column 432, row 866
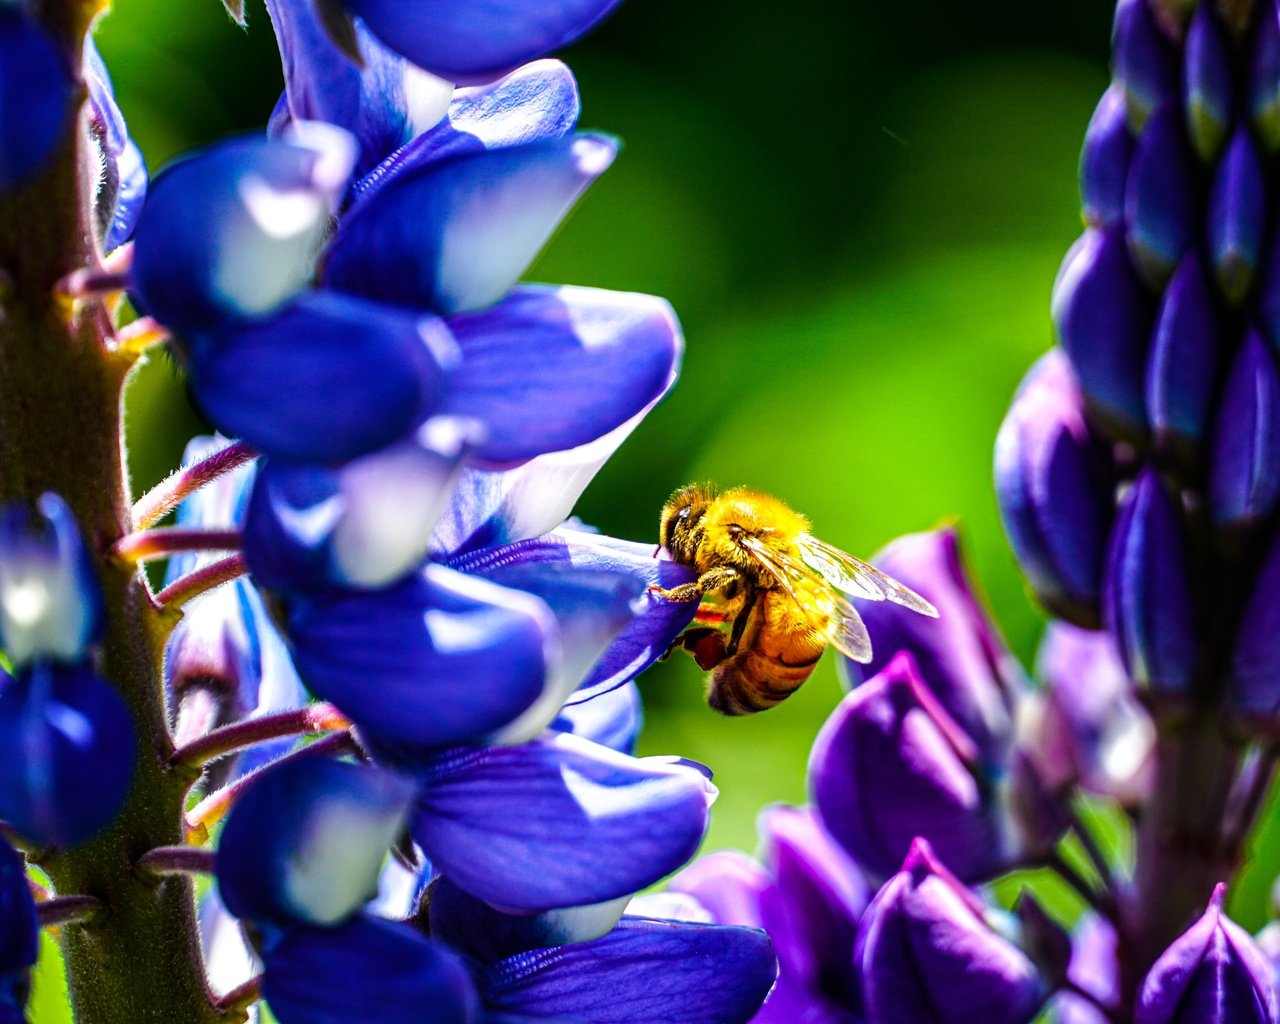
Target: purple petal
column 306, row 840
column 1055, row 486
column 1244, row 487
column 1160, row 200
column 1237, row 216
column 455, row 235
column 889, row 765
column 643, row 970
column 1264, row 80
column 39, row 96
column 960, row 653
column 727, row 884
column 926, row 953
column 440, row 659
column 403, row 977
column 380, row 370
column 1094, row 968
column 469, row 39
column 1146, row 66
column 1103, row 319
column 19, row 931
column 650, row 632
column 1207, row 84
column 1104, row 161
column 549, row 369
column 612, row 719
column 559, row 822
column 1255, row 660
column 1148, row 601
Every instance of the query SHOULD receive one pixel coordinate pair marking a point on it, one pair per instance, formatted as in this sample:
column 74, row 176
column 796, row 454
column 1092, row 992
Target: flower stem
column 169, row 493
column 163, row 541
column 235, row 1004
column 65, row 909
column 193, row 584
column 313, row 718
column 177, row 860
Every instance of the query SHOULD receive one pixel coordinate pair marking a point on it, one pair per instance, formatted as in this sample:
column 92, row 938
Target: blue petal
column 130, row 197
column 644, row 970
column 306, row 840
column 66, row 754
column 455, row 235
column 19, row 933
column 535, row 103
column 1160, row 204
column 559, row 822
column 1104, row 161
column 650, row 633
column 104, row 112
column 439, row 659
column 357, row 376
column 1146, row 65
column 122, row 187
column 612, row 719
column 364, row 524
column 1243, row 485
column 1237, row 210
column 383, row 104
column 1263, row 92
column 1207, row 82
column 474, row 39
column 368, row 970
column 36, row 96
column 549, row 369
column 234, row 231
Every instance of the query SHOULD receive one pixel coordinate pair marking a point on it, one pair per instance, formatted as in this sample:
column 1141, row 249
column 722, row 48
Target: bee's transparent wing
column 856, row 578
column 817, row 598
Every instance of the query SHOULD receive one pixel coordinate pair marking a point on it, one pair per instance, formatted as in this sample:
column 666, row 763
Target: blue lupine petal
column 1145, row 63
column 19, row 931
column 123, row 185
column 234, row 230
column 383, row 104
column 1207, row 84
column 473, row 927
column 130, row 198
column 1160, row 198
column 363, row 524
column 591, row 606
column 926, row 953
column 1183, row 368
column 379, row 369
column 1244, row 488
column 476, row 39
column 535, row 103
column 306, row 840
column 612, row 719
column 1264, row 81
column 559, row 822
column 455, row 235
column 104, row 112
column 1237, row 211
column 1213, row 973
column 36, row 96
column 369, row 969
column 1255, row 658
column 1149, row 606
column 889, row 765
column 649, row 634
column 1104, row 161
column 642, row 970
column 549, row 369
column 50, row 604
column 960, row 654
column 442, row 658
column 1103, row 320
column 1055, row 486
column 66, row 753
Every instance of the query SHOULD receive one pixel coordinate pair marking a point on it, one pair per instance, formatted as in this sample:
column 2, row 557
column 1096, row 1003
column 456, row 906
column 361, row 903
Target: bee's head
column 680, row 518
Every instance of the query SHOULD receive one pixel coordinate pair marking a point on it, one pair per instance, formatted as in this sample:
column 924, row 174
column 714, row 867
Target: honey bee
column 774, row 596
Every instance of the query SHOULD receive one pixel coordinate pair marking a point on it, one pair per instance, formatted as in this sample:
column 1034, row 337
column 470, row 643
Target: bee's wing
column 856, row 578
column 843, row 629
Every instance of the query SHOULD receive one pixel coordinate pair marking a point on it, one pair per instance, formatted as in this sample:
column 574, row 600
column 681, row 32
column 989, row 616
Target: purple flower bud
column 1183, row 368
column 1055, row 487
column 1213, row 974
column 891, row 764
column 1093, row 732
column 726, row 884
column 1094, row 969
column 19, row 934
column 1244, row 487
column 960, row 653
column 50, row 604
column 1255, row 661
column 66, row 753
column 1149, row 606
column 37, row 96
column 1103, row 319
column 1160, row 204
column 1264, row 81
column 1237, row 213
column 1145, row 61
column 927, row 953
column 1104, row 161
column 1207, row 84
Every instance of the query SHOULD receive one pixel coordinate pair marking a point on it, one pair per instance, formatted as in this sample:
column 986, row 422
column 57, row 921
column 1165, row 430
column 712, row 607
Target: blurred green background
column 856, row 209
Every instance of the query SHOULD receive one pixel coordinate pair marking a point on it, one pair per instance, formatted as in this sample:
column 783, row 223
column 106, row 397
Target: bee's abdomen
column 777, row 658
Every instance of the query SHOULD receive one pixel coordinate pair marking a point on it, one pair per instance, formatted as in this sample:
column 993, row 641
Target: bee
column 774, row 597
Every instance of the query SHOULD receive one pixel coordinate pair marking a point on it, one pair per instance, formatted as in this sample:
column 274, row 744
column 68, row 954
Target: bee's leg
column 704, row 643
column 740, row 624
column 715, row 579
